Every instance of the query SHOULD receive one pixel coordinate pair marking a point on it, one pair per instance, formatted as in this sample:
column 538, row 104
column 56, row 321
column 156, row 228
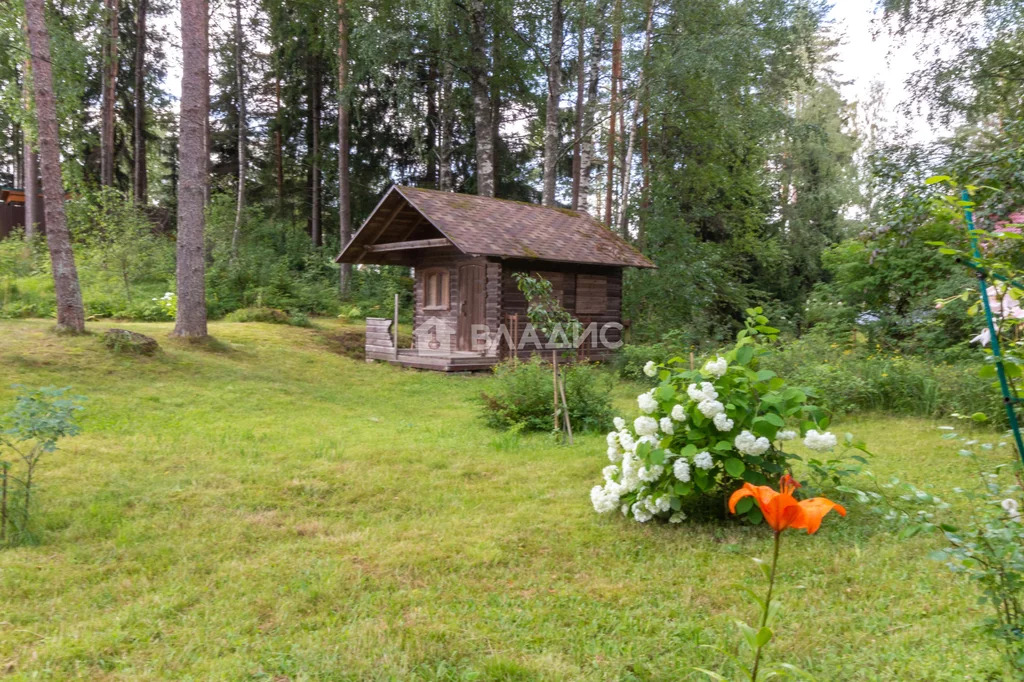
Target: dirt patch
column 350, row 343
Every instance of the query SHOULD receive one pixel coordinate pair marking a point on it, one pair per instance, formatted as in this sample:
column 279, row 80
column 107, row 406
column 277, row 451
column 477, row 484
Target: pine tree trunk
column 278, row 144
column 17, row 148
column 551, row 127
column 240, row 93
column 587, row 135
column 33, row 209
column 70, row 311
column 645, row 157
column 627, row 171
column 612, row 109
column 192, row 169
column 111, row 11
column 344, row 188
column 432, row 76
column 140, row 180
column 314, row 181
column 444, row 160
column 480, row 87
column 581, row 82
column 31, row 190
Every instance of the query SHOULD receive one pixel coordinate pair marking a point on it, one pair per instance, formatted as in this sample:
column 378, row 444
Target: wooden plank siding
column 563, row 277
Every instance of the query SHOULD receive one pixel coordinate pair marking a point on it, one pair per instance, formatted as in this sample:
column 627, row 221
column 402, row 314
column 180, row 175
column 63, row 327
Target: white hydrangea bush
column 701, row 433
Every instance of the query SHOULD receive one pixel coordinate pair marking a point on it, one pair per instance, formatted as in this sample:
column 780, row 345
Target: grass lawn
column 270, row 509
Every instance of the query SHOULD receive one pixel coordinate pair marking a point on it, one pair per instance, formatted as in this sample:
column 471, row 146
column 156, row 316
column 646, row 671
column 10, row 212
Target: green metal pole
column 1004, row 384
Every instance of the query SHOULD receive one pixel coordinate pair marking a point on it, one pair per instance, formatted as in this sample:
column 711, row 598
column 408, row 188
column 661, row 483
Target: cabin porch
column 380, row 345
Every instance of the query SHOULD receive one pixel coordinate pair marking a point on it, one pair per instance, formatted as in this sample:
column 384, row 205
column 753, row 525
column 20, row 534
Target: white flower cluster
column 646, row 402
column 820, row 442
column 1009, row 505
column 716, row 367
column 634, row 484
column 749, row 444
column 722, row 422
column 710, row 408
column 645, row 426
column 706, row 391
column 681, row 470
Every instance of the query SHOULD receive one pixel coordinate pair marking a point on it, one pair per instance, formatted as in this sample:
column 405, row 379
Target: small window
column 436, row 285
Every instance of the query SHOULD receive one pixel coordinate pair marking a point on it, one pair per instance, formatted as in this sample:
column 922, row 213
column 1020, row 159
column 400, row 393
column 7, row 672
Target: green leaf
column 735, row 467
column 744, row 505
column 754, row 477
column 936, row 179
column 764, row 635
column 744, row 355
column 755, row 516
column 665, row 393
column 979, row 417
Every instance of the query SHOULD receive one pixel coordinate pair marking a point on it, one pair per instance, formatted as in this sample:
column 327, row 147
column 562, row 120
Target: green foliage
column 984, row 532
column 39, row 419
column 704, row 431
column 522, row 398
column 269, row 315
column 846, row 377
column 544, row 311
column 629, row 361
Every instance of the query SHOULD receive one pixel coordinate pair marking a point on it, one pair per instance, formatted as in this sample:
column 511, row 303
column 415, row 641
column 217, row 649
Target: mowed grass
column 270, row 509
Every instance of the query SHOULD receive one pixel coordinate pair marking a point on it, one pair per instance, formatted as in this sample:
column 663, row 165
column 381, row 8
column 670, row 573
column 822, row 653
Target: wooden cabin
column 464, row 250
column 12, row 211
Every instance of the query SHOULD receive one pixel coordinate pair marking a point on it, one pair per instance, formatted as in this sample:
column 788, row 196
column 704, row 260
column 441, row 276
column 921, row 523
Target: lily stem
column 767, row 604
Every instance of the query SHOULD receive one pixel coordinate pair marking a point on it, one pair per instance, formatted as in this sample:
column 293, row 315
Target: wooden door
column 472, row 299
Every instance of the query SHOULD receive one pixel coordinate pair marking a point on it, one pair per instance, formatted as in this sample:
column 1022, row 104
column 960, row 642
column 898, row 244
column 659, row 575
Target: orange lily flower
column 781, row 510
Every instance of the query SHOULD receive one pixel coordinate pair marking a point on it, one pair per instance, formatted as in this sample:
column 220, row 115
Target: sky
column 868, row 55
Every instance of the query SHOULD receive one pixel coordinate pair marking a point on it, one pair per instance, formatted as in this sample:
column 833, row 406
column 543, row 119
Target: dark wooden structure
column 464, row 250
column 12, row 211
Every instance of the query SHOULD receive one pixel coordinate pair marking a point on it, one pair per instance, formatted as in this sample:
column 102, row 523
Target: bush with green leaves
column 702, row 433
column 31, row 429
column 521, row 396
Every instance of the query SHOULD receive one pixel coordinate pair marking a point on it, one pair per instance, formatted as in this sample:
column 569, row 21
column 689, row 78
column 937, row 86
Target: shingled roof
column 496, row 227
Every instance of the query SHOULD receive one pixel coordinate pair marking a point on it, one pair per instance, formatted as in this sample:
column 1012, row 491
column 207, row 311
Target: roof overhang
column 366, row 245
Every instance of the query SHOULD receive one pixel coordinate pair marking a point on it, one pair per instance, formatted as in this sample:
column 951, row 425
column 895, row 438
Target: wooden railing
column 380, row 343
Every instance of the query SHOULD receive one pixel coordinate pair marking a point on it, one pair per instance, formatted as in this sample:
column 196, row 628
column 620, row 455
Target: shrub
column 32, row 428
column 630, row 360
column 522, row 396
column 701, row 433
column 857, row 378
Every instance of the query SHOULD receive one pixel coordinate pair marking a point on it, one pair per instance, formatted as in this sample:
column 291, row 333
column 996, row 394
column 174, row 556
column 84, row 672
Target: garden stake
column 565, row 404
column 4, row 466
column 515, row 339
column 554, row 385
column 1008, row 397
